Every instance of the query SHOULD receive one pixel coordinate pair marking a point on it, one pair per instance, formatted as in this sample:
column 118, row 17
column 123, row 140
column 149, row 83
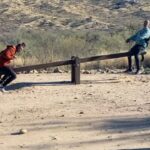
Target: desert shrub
column 54, row 45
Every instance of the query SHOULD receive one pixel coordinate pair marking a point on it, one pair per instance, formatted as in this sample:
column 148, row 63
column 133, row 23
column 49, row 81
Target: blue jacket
column 140, row 36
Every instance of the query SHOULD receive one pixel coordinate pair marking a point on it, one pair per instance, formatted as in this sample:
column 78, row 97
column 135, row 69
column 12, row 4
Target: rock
column 23, row 131
column 81, row 112
column 93, row 71
column 108, row 70
column 109, row 137
column 21, row 146
column 53, row 138
column 101, row 71
column 57, row 70
column 33, row 71
column 44, row 71
column 88, row 19
column 66, row 71
column 86, row 72
column 90, row 94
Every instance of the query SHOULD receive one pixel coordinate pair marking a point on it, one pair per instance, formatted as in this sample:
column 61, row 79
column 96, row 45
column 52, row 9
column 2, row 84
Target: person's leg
column 0, row 78
column 3, row 73
column 129, row 63
column 143, row 53
column 142, row 61
column 9, row 76
column 131, row 52
column 5, row 77
column 9, row 80
column 137, row 62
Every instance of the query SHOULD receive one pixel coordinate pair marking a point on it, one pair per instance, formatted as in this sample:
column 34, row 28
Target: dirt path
column 105, row 112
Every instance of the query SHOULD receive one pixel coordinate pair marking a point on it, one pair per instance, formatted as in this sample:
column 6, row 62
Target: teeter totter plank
column 75, row 64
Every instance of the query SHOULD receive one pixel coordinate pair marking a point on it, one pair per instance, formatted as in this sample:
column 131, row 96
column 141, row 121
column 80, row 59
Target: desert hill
column 71, row 14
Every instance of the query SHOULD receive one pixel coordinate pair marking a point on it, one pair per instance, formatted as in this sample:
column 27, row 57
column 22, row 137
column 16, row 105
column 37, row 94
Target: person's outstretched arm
column 133, row 37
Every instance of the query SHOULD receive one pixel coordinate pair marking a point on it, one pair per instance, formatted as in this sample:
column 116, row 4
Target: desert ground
column 104, row 112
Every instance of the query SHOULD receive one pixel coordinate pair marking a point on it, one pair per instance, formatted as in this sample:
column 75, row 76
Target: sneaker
column 3, row 90
column 128, row 71
column 139, row 72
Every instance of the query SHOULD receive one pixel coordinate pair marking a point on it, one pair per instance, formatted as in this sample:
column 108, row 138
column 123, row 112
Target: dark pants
column 136, row 51
column 8, row 75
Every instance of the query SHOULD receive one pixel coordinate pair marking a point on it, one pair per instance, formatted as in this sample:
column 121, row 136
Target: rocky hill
column 71, row 14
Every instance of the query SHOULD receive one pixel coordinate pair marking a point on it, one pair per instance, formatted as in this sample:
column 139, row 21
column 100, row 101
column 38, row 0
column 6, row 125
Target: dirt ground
column 104, row 112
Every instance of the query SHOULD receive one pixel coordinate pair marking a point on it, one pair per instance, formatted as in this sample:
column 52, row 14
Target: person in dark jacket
column 6, row 72
column 141, row 43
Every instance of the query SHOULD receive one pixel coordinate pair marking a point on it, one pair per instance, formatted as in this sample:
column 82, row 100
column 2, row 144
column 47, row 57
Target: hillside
column 71, row 14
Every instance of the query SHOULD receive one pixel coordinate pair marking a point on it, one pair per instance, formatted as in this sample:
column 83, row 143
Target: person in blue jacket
column 141, row 43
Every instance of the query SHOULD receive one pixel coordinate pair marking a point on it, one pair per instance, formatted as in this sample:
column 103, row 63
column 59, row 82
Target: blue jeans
column 135, row 51
column 8, row 75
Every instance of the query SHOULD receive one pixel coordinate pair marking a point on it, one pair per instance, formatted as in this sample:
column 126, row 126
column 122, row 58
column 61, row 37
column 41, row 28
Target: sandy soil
column 104, row 112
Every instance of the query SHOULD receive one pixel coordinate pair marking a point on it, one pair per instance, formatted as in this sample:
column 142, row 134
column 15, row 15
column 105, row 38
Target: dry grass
column 56, row 30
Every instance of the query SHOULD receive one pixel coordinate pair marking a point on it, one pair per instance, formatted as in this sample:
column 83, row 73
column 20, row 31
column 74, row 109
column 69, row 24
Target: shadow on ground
column 114, row 130
column 16, row 86
column 119, row 125
column 137, row 149
column 21, row 85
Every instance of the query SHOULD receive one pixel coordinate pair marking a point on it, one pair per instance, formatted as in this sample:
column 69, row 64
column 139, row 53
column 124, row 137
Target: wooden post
column 75, row 70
